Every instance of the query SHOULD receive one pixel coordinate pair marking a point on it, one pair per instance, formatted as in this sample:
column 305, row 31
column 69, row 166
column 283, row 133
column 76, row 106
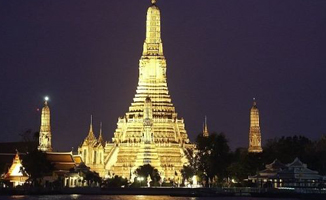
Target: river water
column 122, row 197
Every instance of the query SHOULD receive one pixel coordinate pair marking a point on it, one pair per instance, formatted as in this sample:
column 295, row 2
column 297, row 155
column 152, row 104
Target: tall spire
column 254, row 101
column 100, row 137
column 90, row 137
column 150, row 131
column 205, row 128
column 254, row 132
column 91, row 125
column 153, row 42
column 45, row 129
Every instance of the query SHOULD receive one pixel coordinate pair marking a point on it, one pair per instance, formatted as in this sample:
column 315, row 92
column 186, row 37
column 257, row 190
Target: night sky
column 84, row 55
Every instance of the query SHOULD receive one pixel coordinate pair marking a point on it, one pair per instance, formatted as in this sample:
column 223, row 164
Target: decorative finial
column 46, row 99
column 91, row 120
column 153, row 1
column 100, row 137
column 254, row 99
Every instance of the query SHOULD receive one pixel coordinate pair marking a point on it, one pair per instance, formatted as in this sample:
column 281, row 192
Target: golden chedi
column 45, row 136
column 254, row 132
column 150, row 132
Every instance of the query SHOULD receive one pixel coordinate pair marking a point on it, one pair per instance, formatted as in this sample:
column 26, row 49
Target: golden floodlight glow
column 150, row 132
column 45, row 138
column 254, row 132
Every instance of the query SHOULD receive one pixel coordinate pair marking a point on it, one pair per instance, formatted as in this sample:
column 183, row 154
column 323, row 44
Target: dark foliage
column 37, row 166
column 215, row 158
column 188, row 172
column 214, row 155
column 115, row 182
column 147, row 170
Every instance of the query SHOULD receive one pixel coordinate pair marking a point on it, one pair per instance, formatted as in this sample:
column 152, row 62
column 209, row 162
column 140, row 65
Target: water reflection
column 18, row 197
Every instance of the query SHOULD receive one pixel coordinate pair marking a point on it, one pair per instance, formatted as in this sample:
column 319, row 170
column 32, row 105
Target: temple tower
column 150, row 132
column 205, row 128
column 45, row 129
column 254, row 132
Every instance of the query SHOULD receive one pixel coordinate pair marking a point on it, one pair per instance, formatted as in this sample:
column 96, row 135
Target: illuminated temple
column 254, row 132
column 150, row 132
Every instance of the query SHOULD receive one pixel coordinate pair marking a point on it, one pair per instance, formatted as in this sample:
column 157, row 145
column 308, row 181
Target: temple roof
column 59, row 156
column 305, row 173
column 5, row 162
column 61, row 160
column 297, row 163
column 276, row 164
column 16, row 169
column 78, row 159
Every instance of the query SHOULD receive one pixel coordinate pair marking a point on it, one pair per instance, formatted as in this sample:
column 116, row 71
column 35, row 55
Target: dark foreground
column 171, row 192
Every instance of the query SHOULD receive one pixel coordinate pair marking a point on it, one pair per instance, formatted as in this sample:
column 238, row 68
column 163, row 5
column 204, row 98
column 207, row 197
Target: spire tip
column 254, row 101
column 46, row 99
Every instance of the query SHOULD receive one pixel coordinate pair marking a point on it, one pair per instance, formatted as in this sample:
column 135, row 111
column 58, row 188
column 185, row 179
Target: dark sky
column 220, row 54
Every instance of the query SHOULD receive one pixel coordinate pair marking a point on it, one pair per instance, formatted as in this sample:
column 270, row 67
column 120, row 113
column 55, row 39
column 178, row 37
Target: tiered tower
column 45, row 129
column 254, row 133
column 150, row 132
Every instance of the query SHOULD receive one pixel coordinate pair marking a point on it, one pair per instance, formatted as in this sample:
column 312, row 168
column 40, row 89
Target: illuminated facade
column 16, row 173
column 150, row 132
column 45, row 129
column 254, row 132
column 92, row 151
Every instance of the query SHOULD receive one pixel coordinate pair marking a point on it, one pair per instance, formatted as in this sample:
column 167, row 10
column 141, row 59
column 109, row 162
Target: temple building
column 45, row 129
column 151, row 131
column 254, row 132
column 16, row 173
column 292, row 175
column 92, row 150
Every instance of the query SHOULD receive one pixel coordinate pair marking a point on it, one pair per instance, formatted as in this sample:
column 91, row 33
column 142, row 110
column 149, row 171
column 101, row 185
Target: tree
column 316, row 155
column 287, row 149
column 89, row 176
column 37, row 166
column 187, row 172
column 116, row 181
column 214, row 156
column 244, row 164
column 29, row 136
column 92, row 177
column 147, row 170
